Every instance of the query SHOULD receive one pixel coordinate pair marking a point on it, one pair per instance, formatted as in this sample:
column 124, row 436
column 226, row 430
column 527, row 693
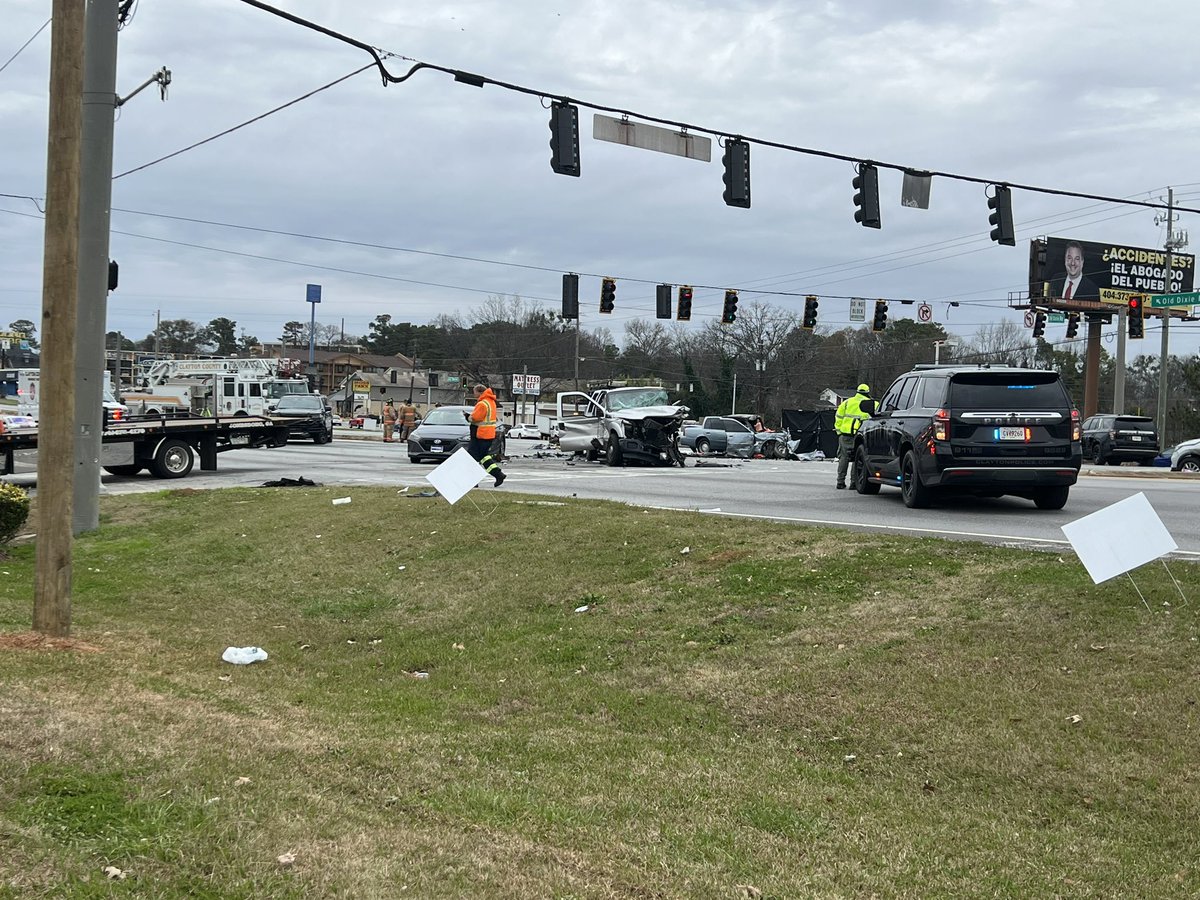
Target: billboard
column 1087, row 274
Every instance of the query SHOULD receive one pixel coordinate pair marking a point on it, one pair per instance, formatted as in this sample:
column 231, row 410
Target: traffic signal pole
column 95, row 203
column 1119, row 373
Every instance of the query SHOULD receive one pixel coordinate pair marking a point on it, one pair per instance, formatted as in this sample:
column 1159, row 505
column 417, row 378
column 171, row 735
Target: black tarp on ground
column 813, row 428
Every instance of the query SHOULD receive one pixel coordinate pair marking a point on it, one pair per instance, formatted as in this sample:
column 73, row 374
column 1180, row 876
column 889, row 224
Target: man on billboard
column 1075, row 285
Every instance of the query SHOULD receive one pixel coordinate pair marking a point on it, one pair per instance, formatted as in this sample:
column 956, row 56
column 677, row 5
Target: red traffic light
column 1135, row 302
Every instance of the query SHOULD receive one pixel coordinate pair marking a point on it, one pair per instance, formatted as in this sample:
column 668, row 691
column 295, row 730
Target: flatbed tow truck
column 168, row 447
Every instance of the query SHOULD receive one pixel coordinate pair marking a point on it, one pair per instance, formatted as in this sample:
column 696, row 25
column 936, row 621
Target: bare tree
column 1001, row 343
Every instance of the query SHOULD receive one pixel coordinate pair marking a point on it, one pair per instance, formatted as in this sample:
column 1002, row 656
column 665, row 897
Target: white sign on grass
column 457, row 475
column 1120, row 537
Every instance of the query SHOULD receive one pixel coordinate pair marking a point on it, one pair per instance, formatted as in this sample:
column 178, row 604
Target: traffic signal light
column 1001, row 217
column 683, row 310
column 570, row 296
column 113, row 271
column 729, row 313
column 1137, row 322
column 810, row 313
column 1072, row 325
column 866, row 184
column 1039, row 325
column 564, row 138
column 737, row 173
column 662, row 302
column 608, row 295
column 880, row 321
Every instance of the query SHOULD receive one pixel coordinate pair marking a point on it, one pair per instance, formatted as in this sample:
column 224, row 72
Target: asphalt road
column 789, row 491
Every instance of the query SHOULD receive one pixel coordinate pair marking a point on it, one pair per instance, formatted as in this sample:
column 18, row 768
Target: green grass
column 810, row 712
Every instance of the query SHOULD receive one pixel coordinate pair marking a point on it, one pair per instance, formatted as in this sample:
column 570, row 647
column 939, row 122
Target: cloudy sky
column 428, row 196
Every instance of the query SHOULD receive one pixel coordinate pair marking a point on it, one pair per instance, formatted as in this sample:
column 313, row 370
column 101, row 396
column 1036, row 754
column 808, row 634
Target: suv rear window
column 1142, row 423
column 997, row 390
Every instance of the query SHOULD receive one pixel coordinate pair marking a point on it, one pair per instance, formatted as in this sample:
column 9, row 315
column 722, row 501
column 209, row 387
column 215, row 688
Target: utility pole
column 576, row 352
column 1164, row 359
column 95, row 202
column 60, row 282
column 1119, row 371
column 157, row 331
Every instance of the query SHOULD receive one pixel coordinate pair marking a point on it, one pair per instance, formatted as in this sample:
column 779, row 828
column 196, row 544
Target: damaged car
column 623, row 424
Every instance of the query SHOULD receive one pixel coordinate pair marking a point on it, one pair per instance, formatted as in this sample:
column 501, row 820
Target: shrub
column 14, row 510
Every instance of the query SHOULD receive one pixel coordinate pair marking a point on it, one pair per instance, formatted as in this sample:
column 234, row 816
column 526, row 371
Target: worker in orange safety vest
column 484, row 419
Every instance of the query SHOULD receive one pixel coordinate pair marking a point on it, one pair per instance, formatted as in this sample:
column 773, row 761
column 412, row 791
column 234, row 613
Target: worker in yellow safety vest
column 484, row 419
column 851, row 413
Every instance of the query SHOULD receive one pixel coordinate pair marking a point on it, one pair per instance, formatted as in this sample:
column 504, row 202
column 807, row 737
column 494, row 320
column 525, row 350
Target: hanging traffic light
column 570, row 296
column 880, row 321
column 1072, row 326
column 564, row 138
column 809, row 321
column 866, row 184
column 113, row 272
column 729, row 313
column 683, row 308
column 1039, row 324
column 662, row 302
column 608, row 295
column 1001, row 217
column 737, row 173
column 1137, row 322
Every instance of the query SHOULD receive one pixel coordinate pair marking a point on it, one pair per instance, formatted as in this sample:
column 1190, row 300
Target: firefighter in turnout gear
column 851, row 413
column 484, row 419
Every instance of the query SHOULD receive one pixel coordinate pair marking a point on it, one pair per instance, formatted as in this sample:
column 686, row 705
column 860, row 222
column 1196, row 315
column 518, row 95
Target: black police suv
column 983, row 430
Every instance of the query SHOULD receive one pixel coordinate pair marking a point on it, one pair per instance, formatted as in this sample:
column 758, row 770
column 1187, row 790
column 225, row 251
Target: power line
column 477, row 80
column 24, row 45
column 242, row 125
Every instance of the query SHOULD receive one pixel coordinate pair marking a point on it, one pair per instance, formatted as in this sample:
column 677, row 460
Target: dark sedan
column 442, row 431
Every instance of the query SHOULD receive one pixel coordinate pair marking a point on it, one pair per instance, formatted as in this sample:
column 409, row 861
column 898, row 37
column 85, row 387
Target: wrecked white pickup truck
column 631, row 424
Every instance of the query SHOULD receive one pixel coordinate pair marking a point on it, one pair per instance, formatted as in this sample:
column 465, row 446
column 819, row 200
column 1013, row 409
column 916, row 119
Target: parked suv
column 1116, row 439
column 982, row 430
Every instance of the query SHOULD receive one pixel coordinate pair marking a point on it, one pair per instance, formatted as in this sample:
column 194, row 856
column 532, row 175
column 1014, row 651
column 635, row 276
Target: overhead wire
column 24, row 45
column 477, row 80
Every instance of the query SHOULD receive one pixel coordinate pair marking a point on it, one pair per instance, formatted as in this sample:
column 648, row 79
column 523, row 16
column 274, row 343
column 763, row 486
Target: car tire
column 1190, row 464
column 702, row 446
column 173, row 459
column 322, row 437
column 770, row 450
column 124, row 471
column 1051, row 497
column 612, row 452
column 916, row 495
column 1097, row 454
column 414, row 459
column 858, row 475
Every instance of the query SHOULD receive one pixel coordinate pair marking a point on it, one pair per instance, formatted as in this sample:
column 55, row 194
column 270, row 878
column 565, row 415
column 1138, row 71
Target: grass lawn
column 744, row 709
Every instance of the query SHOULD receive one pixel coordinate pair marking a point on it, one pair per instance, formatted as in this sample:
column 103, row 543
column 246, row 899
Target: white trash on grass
column 243, row 656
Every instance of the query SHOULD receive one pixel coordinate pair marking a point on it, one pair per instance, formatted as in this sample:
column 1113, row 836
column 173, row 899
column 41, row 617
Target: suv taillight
column 941, row 425
column 1074, row 424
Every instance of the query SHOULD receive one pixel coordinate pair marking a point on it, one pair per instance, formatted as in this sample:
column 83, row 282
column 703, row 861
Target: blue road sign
column 314, row 293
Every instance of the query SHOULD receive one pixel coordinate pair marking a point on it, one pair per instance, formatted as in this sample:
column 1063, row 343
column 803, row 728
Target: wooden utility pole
column 60, row 281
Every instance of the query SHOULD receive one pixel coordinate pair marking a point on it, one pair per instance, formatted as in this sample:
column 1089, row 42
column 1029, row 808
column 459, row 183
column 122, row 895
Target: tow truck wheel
column 123, row 470
column 174, row 459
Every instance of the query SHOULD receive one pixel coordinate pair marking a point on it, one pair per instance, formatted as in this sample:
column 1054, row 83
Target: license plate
column 1012, row 434
column 1137, row 437
column 239, row 439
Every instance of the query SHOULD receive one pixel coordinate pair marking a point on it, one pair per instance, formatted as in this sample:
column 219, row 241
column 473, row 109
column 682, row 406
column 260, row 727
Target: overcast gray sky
column 1096, row 97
